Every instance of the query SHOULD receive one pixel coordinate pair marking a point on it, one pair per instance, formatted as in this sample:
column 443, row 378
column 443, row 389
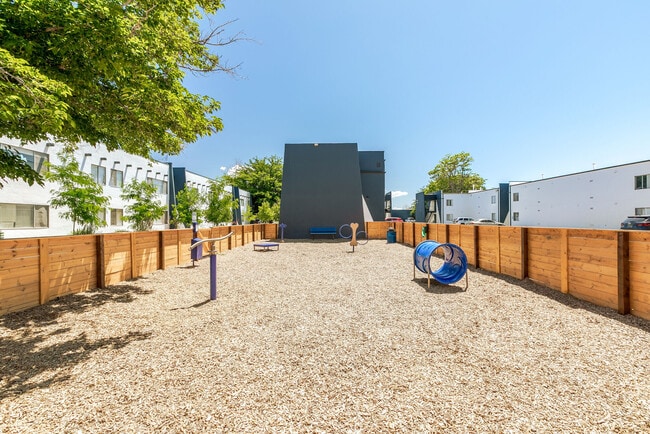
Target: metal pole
column 213, row 276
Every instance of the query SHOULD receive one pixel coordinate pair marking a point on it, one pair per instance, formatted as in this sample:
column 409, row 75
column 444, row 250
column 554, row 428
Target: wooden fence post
column 133, row 260
column 476, row 245
column 101, row 262
column 44, row 275
column 564, row 261
column 524, row 252
column 623, row 265
column 161, row 250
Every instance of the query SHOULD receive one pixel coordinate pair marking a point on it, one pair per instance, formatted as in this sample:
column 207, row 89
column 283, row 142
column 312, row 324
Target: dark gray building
column 330, row 184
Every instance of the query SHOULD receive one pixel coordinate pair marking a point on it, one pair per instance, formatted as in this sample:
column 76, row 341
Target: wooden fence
column 34, row 271
column 605, row 267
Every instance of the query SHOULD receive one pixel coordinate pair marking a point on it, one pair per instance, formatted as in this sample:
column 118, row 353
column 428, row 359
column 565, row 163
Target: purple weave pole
column 213, row 276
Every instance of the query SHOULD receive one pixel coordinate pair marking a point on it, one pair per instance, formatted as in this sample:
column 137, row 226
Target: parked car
column 463, row 220
column 410, row 219
column 394, row 219
column 486, row 222
column 636, row 222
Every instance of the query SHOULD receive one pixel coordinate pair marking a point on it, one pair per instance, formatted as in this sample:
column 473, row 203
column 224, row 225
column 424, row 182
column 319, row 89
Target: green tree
column 78, row 194
column 268, row 213
column 108, row 71
column 453, row 174
column 262, row 178
column 188, row 202
column 220, row 203
column 146, row 207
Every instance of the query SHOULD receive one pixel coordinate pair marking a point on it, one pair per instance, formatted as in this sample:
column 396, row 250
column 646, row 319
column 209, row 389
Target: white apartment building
column 598, row 199
column 25, row 210
column 483, row 204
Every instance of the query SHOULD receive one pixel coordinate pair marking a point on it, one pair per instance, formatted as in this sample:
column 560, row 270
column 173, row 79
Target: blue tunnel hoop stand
column 453, row 268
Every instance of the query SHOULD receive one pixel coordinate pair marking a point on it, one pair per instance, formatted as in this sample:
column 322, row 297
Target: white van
column 463, row 220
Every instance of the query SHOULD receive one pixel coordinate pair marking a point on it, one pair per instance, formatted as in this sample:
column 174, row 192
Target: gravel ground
column 315, row 338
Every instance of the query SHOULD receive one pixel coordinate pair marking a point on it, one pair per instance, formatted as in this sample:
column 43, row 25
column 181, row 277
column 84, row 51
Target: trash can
column 197, row 252
column 391, row 236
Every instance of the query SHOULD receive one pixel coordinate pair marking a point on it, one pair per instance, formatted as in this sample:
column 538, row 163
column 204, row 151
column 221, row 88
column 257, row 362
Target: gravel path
column 315, row 338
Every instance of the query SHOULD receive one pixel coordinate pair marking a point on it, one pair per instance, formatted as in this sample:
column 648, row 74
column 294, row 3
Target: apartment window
column 36, row 160
column 101, row 215
column 98, row 173
column 449, row 202
column 493, row 199
column 493, row 216
column 116, row 179
column 515, row 197
column 449, row 217
column 116, row 217
column 161, row 186
column 515, row 216
column 23, row 216
column 641, row 182
column 642, row 211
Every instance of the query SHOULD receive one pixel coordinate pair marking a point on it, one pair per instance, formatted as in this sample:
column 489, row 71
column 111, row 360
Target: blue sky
column 530, row 89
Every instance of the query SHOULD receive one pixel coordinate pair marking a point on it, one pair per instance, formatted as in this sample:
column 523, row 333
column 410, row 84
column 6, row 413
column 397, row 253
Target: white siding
column 133, row 167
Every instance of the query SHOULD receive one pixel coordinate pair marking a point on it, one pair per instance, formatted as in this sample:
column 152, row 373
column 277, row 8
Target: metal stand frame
column 213, row 261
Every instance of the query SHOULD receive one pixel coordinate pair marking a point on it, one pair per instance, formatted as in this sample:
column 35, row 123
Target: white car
column 486, row 222
column 463, row 220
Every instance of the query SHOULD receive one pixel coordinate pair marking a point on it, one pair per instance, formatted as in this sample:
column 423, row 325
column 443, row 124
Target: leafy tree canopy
column 188, row 202
column 80, row 197
column 262, row 178
column 145, row 208
column 220, row 202
column 453, row 174
column 108, row 71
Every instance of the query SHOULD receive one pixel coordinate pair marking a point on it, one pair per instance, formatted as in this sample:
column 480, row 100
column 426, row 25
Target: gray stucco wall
column 373, row 175
column 321, row 186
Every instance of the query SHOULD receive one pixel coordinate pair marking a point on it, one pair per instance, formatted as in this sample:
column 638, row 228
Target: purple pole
column 213, row 277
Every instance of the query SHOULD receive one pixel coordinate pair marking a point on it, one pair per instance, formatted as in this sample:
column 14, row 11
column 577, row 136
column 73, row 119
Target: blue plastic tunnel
column 453, row 268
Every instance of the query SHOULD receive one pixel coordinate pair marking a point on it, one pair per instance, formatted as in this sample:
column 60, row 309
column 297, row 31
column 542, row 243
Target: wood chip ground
column 315, row 338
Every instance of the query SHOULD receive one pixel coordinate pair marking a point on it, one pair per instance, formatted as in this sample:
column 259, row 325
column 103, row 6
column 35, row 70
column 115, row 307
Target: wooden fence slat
column 44, row 275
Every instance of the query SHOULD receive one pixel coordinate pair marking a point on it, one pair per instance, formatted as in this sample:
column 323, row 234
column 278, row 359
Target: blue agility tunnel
column 452, row 269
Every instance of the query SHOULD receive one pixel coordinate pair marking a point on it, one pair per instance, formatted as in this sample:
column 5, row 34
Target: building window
column 449, row 202
column 494, row 216
column 116, row 217
column 23, row 216
column 36, row 160
column 161, row 186
column 449, row 217
column 116, row 179
column 493, row 199
column 641, row 182
column 515, row 216
column 515, row 197
column 642, row 211
column 98, row 173
column 101, row 215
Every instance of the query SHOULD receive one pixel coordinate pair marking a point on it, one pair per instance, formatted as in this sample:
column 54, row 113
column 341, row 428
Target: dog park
column 317, row 337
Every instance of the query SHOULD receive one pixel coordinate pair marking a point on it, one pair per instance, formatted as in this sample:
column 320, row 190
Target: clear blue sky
column 530, row 89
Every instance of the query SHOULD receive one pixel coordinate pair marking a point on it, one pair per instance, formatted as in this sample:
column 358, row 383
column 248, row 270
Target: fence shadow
column 80, row 302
